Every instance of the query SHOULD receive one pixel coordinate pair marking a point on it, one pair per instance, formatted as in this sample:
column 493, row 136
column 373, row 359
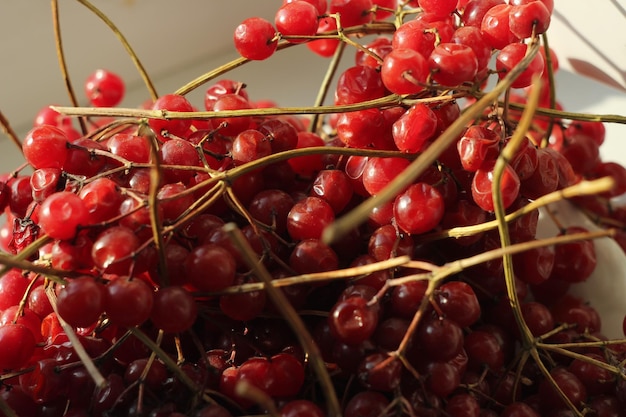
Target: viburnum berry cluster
column 376, row 257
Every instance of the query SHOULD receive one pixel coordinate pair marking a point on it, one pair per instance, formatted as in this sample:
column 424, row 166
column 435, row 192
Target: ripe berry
column 128, row 302
column 174, row 309
column 61, row 214
column 17, row 344
column 177, row 127
column 80, row 302
column 453, row 64
column 255, row 38
column 104, row 88
column 513, row 53
column 404, row 71
column 419, row 209
column 482, row 187
column 45, row 146
column 296, row 19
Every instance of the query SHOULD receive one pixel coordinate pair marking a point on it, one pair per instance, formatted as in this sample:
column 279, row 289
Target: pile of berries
column 172, row 262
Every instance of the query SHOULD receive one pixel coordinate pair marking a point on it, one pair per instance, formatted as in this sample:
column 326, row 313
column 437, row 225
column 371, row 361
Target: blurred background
column 178, row 41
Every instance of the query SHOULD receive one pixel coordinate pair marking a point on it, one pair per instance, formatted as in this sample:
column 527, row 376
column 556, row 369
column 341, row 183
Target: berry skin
column 296, row 19
column 419, row 209
column 412, row 131
column 176, row 127
column 482, row 187
column 17, row 344
column 352, row 12
column 308, row 218
column 453, row 64
column 128, row 302
column 81, row 301
column 61, row 214
column 524, row 19
column 511, row 55
column 404, row 71
column 255, row 39
column 174, row 309
column 324, row 47
column 495, row 26
column 104, row 88
column 45, row 146
column 352, row 320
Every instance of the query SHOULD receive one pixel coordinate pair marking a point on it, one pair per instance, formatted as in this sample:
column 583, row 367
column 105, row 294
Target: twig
column 290, row 315
column 61, row 58
column 127, row 46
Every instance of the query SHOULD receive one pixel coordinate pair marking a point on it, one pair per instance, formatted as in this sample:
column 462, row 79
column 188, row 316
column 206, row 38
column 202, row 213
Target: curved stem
column 501, row 164
column 127, row 46
column 291, row 316
column 153, row 205
column 325, row 85
column 8, row 130
column 551, row 86
column 387, row 101
column 62, row 64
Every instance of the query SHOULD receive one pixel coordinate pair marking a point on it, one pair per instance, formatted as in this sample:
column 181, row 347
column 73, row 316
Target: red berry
column 104, row 88
column 297, row 19
column 174, row 309
column 17, row 344
column 61, row 214
column 419, row 209
column 80, row 302
column 45, row 146
column 176, row 127
column 482, row 187
column 128, row 302
column 404, row 71
column 255, row 38
column 453, row 64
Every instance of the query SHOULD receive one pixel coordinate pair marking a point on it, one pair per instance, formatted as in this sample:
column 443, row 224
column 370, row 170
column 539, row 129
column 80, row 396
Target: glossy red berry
column 81, row 301
column 128, row 302
column 419, row 209
column 104, row 88
column 297, row 19
column 167, row 127
column 61, row 214
column 255, row 38
column 45, row 146
column 174, row 309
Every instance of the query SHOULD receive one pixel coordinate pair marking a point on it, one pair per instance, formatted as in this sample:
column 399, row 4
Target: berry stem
column 8, row 130
column 319, row 277
column 291, row 316
column 247, row 390
column 20, row 260
column 325, row 85
column 169, row 362
column 572, row 354
column 88, row 363
column 503, row 228
column 552, row 86
column 387, row 101
column 127, row 46
column 144, row 374
column 155, row 221
column 62, row 64
column 585, row 187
